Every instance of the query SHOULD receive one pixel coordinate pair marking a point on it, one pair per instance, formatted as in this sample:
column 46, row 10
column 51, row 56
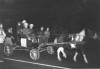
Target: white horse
column 78, row 38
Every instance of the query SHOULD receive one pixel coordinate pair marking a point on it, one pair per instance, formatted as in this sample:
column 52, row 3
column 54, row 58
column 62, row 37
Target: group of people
column 24, row 30
column 27, row 31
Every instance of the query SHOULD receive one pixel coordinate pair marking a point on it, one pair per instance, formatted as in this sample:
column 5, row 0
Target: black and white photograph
column 49, row 34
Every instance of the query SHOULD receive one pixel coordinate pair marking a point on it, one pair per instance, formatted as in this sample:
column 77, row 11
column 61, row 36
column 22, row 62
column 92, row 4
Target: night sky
column 71, row 14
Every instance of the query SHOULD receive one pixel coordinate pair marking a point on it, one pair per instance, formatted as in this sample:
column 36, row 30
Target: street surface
column 21, row 60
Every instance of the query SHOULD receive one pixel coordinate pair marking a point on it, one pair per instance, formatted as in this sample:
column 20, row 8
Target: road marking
column 37, row 63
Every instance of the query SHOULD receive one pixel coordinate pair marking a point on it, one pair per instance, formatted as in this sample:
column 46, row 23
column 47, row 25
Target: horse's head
column 78, row 36
column 92, row 34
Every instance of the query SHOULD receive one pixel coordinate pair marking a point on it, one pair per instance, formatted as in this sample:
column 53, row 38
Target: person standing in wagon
column 32, row 34
column 19, row 32
column 47, row 35
column 31, row 28
column 26, row 32
column 2, row 37
column 41, row 36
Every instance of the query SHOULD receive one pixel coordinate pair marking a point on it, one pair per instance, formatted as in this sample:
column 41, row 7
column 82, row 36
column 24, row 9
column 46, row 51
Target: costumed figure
column 2, row 38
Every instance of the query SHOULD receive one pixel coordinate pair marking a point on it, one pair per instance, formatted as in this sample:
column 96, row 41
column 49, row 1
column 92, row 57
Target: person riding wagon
column 32, row 34
column 9, row 37
column 47, row 35
column 19, row 32
column 41, row 36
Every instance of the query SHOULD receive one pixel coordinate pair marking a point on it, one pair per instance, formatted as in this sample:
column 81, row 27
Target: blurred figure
column 32, row 34
column 47, row 35
column 23, row 22
column 9, row 33
column 2, row 37
column 25, row 37
column 31, row 28
column 41, row 32
column 19, row 32
column 19, row 24
column 41, row 35
column 26, row 31
column 19, row 28
column 9, row 37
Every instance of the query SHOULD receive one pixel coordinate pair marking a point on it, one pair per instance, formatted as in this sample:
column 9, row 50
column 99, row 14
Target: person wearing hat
column 23, row 22
column 32, row 34
column 2, row 37
column 26, row 30
column 26, row 33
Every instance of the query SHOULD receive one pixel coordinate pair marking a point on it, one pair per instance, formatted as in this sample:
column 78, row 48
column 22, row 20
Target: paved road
column 22, row 60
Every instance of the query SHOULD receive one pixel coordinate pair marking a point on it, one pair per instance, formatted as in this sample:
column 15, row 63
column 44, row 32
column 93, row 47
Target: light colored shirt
column 26, row 31
column 2, row 36
column 47, row 34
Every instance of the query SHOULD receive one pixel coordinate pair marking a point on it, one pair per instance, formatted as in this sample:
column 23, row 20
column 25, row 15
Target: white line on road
column 37, row 63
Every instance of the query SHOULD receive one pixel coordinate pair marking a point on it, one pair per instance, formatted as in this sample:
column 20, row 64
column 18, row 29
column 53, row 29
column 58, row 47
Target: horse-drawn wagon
column 33, row 46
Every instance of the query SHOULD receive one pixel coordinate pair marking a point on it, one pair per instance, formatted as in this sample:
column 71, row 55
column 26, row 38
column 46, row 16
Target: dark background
column 71, row 14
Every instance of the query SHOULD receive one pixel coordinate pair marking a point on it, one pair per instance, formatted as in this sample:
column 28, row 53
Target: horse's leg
column 62, row 50
column 81, row 50
column 58, row 54
column 76, row 53
column 85, row 59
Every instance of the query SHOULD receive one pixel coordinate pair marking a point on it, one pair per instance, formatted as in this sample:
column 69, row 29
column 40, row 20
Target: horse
column 76, row 43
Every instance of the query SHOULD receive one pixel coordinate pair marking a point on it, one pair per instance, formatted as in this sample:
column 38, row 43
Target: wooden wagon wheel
column 8, row 49
column 34, row 54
